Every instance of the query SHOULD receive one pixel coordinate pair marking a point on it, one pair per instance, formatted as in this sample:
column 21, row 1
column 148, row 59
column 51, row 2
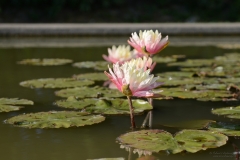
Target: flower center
column 126, row 90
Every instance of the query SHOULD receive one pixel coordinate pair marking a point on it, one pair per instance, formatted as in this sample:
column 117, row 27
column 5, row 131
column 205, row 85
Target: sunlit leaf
column 13, row 104
column 89, row 92
column 230, row 129
column 55, row 83
column 196, row 140
column 45, row 61
column 105, row 106
column 55, row 119
column 92, row 76
column 97, row 65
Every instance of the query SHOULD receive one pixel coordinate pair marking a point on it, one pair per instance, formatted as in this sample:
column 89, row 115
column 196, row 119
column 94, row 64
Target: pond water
column 94, row 141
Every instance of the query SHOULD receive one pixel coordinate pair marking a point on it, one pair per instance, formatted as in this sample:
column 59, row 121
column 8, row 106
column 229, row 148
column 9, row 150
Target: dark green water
column 96, row 141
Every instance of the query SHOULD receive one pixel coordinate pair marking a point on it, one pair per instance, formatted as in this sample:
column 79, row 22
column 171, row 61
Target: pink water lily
column 148, row 42
column 120, row 54
column 133, row 78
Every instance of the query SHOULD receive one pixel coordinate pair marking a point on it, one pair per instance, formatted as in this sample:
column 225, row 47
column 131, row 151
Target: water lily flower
column 120, row 54
column 148, row 42
column 133, row 78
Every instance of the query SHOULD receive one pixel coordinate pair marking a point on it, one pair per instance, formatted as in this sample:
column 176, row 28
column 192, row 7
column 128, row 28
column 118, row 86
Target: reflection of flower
column 148, row 42
column 133, row 78
column 120, row 54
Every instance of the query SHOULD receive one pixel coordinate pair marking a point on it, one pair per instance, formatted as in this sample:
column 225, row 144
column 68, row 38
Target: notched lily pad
column 97, row 65
column 108, row 159
column 172, row 81
column 105, row 106
column 55, row 83
column 196, row 140
column 12, row 104
column 55, row 119
column 229, row 129
column 45, row 61
column 177, row 74
column 150, row 140
column 230, row 112
column 92, row 76
column 89, row 92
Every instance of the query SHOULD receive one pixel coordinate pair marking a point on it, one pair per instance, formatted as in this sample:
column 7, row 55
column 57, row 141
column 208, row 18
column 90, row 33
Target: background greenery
column 86, row 11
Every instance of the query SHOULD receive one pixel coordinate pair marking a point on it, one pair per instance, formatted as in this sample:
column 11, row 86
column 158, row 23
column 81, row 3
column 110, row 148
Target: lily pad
column 97, row 65
column 159, row 59
column 193, row 124
column 189, row 94
column 15, row 101
column 177, row 74
column 92, row 76
column 196, row 140
column 193, row 63
column 45, row 61
column 172, row 81
column 105, row 106
column 12, row 104
column 150, row 140
column 89, row 92
column 229, row 129
column 55, row 83
column 55, row 119
column 231, row 112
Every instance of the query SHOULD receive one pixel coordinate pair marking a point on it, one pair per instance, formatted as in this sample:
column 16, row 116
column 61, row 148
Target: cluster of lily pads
column 90, row 99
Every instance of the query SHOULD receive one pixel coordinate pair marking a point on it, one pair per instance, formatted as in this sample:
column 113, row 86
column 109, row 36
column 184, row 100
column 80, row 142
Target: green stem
column 131, row 109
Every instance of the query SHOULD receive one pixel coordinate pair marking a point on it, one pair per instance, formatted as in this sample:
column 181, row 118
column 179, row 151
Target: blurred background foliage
column 90, row 11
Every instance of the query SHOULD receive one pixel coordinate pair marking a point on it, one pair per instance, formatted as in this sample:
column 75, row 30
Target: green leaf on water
column 55, row 83
column 149, row 140
column 92, row 76
column 230, row 112
column 55, row 119
column 45, row 61
column 196, row 140
column 229, row 129
column 193, row 63
column 176, row 74
column 159, row 140
column 12, row 104
column 160, row 59
column 89, row 92
column 108, row 159
column 97, row 65
column 105, row 106
column 172, row 81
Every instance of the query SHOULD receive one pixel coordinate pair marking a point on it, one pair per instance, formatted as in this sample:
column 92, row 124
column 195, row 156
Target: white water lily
column 120, row 54
column 148, row 42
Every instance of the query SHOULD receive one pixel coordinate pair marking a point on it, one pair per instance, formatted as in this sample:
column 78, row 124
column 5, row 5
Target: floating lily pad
column 159, row 59
column 97, row 65
column 89, row 92
column 15, row 101
column 92, row 76
column 230, row 112
column 196, row 140
column 193, row 63
column 55, row 119
column 12, row 104
column 230, row 129
column 177, row 74
column 45, row 61
column 229, row 58
column 189, row 94
column 150, row 140
column 171, row 81
column 105, row 106
column 192, row 124
column 55, row 83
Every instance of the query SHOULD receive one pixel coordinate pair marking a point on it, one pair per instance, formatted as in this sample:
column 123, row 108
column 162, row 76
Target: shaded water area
column 96, row 141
